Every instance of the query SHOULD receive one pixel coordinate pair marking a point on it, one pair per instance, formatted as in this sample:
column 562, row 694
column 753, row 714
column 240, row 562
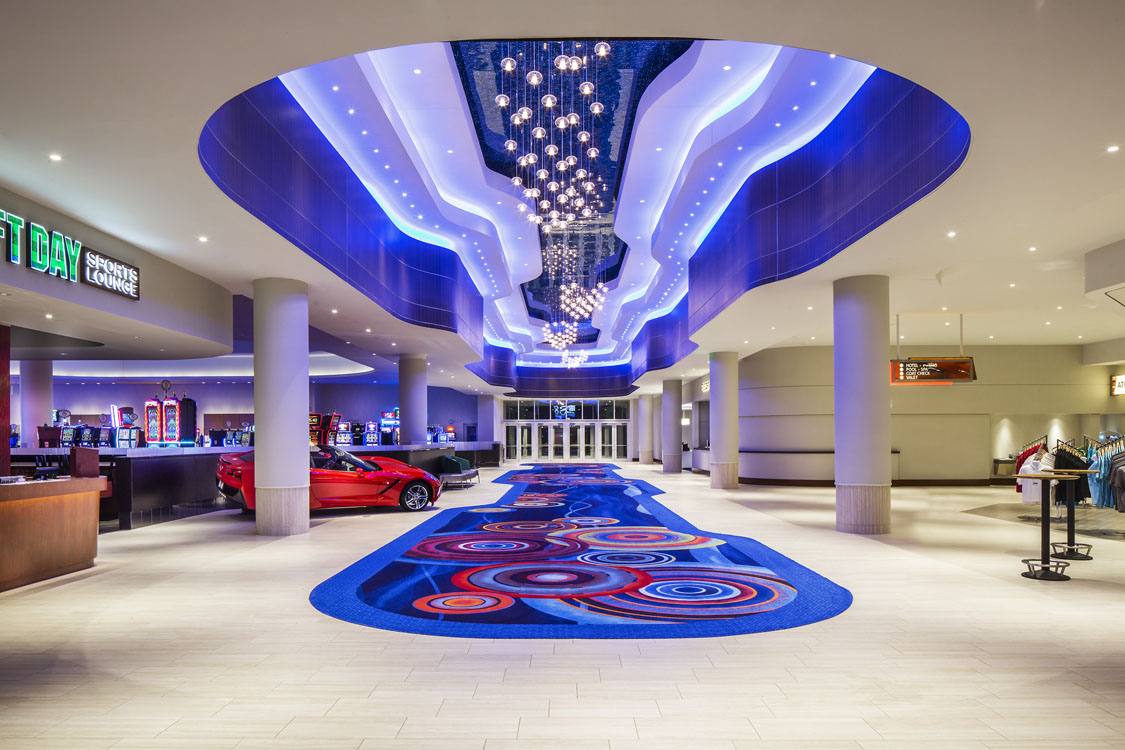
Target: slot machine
column 316, row 428
column 86, row 437
column 247, row 437
column 371, row 433
column 187, row 420
column 66, row 437
column 344, row 433
column 154, row 421
column 389, row 428
column 330, row 428
column 171, row 415
column 105, row 437
column 450, row 434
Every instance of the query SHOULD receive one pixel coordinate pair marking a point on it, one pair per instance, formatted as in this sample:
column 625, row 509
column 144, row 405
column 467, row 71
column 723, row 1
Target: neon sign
column 55, row 254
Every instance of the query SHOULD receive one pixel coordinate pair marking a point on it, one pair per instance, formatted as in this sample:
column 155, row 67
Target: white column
column 862, row 395
column 487, row 407
column 657, row 431
column 37, row 399
column 644, row 429
column 672, row 456
column 724, row 420
column 281, row 389
column 412, row 399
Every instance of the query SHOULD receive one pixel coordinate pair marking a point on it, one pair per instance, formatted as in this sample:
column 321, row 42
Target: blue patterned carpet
column 575, row 551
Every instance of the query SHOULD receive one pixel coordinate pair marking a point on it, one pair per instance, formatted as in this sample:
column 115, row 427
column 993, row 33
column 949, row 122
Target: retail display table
column 1071, row 550
column 47, row 528
column 1046, row 569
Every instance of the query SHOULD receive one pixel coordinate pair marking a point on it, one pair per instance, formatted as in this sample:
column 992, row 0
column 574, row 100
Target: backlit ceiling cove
column 664, row 138
column 549, row 200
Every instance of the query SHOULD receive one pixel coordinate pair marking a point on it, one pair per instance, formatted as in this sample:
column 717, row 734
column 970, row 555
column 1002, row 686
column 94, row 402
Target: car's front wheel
column 415, row 496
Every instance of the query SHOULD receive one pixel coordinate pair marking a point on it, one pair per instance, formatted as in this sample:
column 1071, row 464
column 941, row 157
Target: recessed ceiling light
column 347, row 342
column 393, row 344
column 991, row 337
column 943, row 307
column 1011, row 286
column 202, row 238
column 950, row 234
column 812, row 83
column 55, row 157
column 832, row 56
column 726, row 67
column 1111, row 149
column 1079, row 337
column 777, row 124
column 417, row 71
column 795, row 107
column 335, row 88
column 659, row 148
column 48, row 316
column 449, row 151
column 812, row 338
column 947, row 322
column 773, row 328
column 1048, row 322
column 1031, row 249
column 809, row 307
column 902, row 337
column 1059, row 307
column 334, row 311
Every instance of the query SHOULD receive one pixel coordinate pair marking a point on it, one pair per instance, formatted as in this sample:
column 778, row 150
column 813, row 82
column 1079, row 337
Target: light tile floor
column 198, row 634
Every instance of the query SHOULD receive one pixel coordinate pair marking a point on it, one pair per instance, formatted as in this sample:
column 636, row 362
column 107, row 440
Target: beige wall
column 942, row 432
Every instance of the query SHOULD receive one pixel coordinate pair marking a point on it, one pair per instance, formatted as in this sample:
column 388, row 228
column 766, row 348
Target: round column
column 281, row 389
column 37, row 398
column 672, row 456
column 644, row 429
column 412, row 402
column 724, row 420
column 862, row 395
column 657, row 430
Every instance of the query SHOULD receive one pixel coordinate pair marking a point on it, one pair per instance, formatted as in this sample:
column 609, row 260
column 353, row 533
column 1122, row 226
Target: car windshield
column 339, row 460
column 247, row 457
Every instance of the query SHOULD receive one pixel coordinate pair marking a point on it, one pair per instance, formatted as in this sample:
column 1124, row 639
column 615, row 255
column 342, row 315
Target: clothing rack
column 1089, row 442
column 1069, row 447
column 1111, row 446
column 1041, row 439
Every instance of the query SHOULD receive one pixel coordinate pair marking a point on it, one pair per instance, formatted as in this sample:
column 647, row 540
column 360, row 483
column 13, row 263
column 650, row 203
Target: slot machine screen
column 86, row 436
column 245, row 439
column 103, row 436
column 67, row 436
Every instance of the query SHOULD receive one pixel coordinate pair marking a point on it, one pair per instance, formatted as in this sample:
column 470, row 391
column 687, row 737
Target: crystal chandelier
column 548, row 96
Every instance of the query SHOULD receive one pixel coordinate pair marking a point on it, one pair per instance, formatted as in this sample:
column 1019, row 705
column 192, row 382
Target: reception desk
column 47, row 528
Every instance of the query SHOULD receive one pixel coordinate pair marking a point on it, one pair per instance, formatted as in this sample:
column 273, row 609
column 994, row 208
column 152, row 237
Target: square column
column 724, row 420
column 413, row 402
column 672, row 456
column 644, row 429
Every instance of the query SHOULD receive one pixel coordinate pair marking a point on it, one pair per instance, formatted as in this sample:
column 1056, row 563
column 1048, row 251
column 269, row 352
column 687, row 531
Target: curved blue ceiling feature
column 791, row 160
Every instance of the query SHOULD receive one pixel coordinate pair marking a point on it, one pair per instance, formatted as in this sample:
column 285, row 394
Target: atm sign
column 1117, row 385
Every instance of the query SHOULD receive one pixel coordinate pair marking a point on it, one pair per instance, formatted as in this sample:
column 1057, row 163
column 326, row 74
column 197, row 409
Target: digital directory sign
column 932, row 371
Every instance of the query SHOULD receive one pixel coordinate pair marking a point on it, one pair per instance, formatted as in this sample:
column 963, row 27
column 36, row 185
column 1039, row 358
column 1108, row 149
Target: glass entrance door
column 589, row 433
column 544, row 440
column 574, row 442
column 607, row 441
column 525, row 440
column 557, row 436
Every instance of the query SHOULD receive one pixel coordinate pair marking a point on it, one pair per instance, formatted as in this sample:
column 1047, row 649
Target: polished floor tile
column 198, row 634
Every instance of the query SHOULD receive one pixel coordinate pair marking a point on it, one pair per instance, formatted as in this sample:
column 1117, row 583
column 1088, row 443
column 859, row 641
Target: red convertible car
column 338, row 479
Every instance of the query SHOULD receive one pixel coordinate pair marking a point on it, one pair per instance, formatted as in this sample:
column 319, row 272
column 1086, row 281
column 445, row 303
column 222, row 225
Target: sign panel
column 1117, row 385
column 54, row 254
column 932, row 371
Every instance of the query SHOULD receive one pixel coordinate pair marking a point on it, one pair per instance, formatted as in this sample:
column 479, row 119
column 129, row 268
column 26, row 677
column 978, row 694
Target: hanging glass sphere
column 510, row 145
column 532, row 158
column 554, row 215
column 534, row 77
column 536, row 218
column 552, row 186
column 572, row 118
column 561, row 165
column 587, row 213
column 586, row 88
column 532, row 218
column 583, row 136
column 579, row 202
column 601, row 49
column 544, row 204
column 542, row 174
column 502, row 100
column 538, row 132
column 572, row 160
column 522, row 161
column 561, row 62
column 524, row 113
column 571, row 192
column 592, row 152
column 527, row 193
column 534, row 193
column 521, row 207
column 551, row 150
column 508, row 64
column 517, row 181
column 580, row 174
column 571, row 217
column 562, row 123
column 597, row 108
column 517, row 120
column 589, row 187
column 575, row 63
column 549, row 101
column 562, row 198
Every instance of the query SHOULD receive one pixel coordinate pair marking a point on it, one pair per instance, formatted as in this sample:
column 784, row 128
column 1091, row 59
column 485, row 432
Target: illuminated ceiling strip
column 321, row 364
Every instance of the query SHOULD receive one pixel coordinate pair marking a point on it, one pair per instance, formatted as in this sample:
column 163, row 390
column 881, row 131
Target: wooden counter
column 47, row 528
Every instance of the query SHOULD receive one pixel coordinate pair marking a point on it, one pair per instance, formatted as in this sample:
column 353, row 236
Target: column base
column 645, row 456
column 281, row 511
column 863, row 508
column 724, row 475
column 672, row 463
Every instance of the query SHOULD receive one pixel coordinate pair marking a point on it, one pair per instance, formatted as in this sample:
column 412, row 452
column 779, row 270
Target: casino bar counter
column 47, row 528
column 143, row 482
